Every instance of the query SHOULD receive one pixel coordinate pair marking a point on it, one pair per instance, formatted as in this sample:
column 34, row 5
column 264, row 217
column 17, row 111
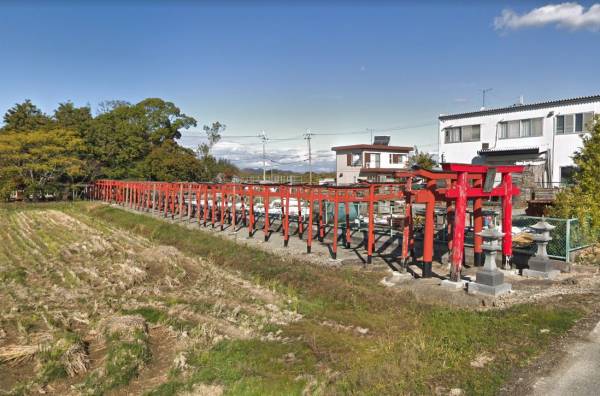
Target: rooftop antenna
column 483, row 92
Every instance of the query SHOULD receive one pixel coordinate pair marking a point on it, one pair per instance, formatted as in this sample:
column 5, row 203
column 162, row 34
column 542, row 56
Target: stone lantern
column 490, row 280
column 540, row 265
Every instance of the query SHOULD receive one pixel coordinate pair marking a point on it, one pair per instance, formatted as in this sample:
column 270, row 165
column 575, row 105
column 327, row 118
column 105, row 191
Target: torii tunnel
column 304, row 206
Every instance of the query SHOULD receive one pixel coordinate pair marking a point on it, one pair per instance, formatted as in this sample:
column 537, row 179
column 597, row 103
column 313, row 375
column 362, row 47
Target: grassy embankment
column 355, row 336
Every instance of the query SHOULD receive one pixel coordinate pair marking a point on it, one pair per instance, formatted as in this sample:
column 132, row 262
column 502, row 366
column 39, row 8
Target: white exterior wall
column 350, row 174
column 561, row 147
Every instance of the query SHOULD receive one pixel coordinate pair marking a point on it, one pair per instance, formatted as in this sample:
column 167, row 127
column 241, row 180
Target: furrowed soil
column 96, row 300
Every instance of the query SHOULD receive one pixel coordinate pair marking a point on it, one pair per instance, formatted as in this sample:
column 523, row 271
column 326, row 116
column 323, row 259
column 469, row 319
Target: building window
column 372, row 160
column 468, row 133
column 396, row 159
column 353, row 159
column 567, row 175
column 560, row 124
column 574, row 123
column 520, row 128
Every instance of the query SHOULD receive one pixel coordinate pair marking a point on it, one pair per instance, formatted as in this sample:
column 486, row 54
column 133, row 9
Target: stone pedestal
column 453, row 285
column 490, row 280
column 540, row 265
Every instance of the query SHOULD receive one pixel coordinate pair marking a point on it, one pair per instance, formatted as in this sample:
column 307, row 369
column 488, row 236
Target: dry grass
column 95, row 282
column 16, row 354
column 132, row 305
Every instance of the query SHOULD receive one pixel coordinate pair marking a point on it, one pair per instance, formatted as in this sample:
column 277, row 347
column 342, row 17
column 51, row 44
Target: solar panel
column 382, row 140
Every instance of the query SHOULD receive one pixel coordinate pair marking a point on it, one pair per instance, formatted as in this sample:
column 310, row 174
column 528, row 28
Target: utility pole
column 308, row 136
column 483, row 92
column 263, row 137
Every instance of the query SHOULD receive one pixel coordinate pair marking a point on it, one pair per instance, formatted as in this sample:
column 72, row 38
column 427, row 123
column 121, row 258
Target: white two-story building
column 372, row 162
column 542, row 136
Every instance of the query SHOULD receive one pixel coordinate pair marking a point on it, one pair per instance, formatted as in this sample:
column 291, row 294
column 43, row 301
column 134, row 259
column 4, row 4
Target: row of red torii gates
column 453, row 186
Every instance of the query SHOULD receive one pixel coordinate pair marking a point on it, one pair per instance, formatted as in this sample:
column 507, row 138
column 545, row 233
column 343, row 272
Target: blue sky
column 343, row 67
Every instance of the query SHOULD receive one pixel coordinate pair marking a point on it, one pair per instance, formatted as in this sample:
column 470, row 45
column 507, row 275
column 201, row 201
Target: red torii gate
column 462, row 182
column 461, row 191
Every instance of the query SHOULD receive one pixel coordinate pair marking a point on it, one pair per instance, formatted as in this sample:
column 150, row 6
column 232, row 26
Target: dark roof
column 375, row 147
column 513, row 108
column 509, row 151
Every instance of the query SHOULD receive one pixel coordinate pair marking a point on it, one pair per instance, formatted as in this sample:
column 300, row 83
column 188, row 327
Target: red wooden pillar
column 250, row 210
column 429, row 230
column 507, row 185
column 129, row 195
column 181, row 200
column 213, row 207
column 335, row 223
column 223, row 204
column 300, row 221
column 286, row 223
column 267, row 202
column 371, row 225
column 347, row 212
column 477, row 227
column 310, row 219
column 243, row 200
column 173, row 200
column 459, row 226
column 233, row 204
column 198, row 200
column 205, row 208
column 406, row 231
column 137, row 189
column 449, row 218
column 189, row 195
column 281, row 190
column 321, row 230
column 165, row 193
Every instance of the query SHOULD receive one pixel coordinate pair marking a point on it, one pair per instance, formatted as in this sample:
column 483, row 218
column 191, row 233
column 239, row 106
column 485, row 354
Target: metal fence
column 567, row 237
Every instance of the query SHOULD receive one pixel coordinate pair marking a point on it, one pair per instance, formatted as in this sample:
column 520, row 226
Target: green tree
column 581, row 199
column 107, row 106
column 162, row 120
column 422, row 160
column 121, row 137
column 39, row 162
column 213, row 134
column 171, row 162
column 70, row 117
column 25, row 117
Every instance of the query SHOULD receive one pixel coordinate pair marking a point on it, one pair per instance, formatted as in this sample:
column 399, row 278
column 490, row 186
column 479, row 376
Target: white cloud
column 565, row 15
column 249, row 155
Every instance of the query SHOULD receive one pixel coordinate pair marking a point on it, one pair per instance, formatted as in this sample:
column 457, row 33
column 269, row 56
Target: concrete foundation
column 552, row 274
column 453, row 285
column 495, row 291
